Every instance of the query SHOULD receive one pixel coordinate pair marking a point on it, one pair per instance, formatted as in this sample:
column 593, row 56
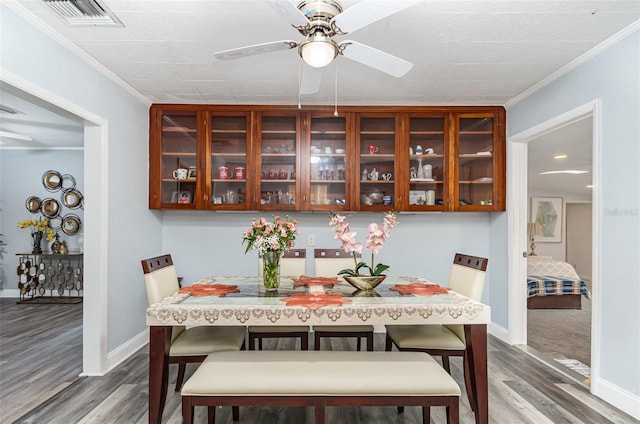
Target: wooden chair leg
column 445, row 363
column 370, row 342
column 426, row 415
column 180, row 379
column 304, row 342
column 400, row 409
column 316, row 341
column 260, row 343
column 358, row 344
column 252, row 341
column 388, row 344
column 211, row 414
column 235, row 413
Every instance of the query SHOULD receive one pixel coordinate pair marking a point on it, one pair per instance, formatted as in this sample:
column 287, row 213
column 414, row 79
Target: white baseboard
column 10, row 293
column 620, row 398
column 124, row 351
column 499, row 331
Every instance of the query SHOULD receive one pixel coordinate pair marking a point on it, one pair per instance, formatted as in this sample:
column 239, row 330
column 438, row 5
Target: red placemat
column 315, row 301
column 420, row 288
column 315, row 281
column 209, row 289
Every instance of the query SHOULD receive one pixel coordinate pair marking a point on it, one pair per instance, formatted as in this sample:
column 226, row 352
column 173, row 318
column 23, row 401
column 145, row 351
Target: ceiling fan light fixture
column 318, row 51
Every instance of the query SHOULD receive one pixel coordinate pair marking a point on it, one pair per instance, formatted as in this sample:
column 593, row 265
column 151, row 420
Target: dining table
column 243, row 301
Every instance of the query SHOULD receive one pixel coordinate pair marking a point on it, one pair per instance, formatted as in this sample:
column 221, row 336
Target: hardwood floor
column 40, row 361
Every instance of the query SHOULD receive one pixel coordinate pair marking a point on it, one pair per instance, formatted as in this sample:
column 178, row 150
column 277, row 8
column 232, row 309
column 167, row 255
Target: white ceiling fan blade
column 367, row 12
column 311, row 78
column 272, row 46
column 289, row 12
column 375, row 58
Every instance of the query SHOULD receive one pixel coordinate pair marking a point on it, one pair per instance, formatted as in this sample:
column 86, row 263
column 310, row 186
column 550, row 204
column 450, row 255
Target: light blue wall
column 206, row 243
column 134, row 231
column 21, row 177
column 614, row 78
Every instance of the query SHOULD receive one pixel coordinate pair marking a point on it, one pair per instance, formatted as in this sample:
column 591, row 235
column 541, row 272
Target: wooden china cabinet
column 278, row 158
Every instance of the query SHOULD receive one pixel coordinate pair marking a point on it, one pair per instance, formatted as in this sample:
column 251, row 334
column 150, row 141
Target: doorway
column 94, row 309
column 519, row 195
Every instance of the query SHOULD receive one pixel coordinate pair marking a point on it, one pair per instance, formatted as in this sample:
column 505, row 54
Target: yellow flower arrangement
column 38, row 226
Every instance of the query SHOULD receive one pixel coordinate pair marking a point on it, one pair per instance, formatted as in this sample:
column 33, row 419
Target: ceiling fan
column 319, row 21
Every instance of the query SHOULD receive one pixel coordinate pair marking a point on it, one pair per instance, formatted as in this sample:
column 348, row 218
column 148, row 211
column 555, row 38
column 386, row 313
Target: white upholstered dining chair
column 467, row 278
column 293, row 264
column 190, row 345
column 327, row 263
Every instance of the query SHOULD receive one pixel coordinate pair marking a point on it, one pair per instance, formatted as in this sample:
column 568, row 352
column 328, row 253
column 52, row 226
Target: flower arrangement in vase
column 376, row 239
column 271, row 239
column 38, row 229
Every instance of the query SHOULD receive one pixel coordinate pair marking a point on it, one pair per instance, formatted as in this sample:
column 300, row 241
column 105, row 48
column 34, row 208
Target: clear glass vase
column 271, row 270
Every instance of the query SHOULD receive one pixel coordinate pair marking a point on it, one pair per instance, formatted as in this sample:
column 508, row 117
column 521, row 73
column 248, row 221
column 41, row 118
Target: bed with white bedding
column 553, row 284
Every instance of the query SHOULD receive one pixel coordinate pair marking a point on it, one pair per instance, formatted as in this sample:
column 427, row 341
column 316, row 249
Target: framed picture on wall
column 547, row 211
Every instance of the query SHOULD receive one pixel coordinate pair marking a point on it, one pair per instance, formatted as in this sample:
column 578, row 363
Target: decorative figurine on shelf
column 418, row 149
column 373, row 175
column 412, row 173
column 365, row 173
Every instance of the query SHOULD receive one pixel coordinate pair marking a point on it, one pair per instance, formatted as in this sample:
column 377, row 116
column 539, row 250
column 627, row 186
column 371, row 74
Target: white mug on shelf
column 180, row 174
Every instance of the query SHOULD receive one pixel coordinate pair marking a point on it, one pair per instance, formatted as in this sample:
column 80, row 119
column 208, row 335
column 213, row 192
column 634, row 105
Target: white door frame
column 94, row 308
column 517, row 204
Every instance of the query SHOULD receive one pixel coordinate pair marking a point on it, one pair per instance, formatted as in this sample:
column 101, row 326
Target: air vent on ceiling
column 84, row 12
column 7, row 109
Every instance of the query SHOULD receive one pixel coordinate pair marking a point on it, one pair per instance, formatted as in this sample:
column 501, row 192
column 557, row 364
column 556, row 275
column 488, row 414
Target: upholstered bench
column 319, row 379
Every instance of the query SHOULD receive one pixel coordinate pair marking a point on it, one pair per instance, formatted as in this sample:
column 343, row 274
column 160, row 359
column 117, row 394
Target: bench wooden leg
column 211, row 414
column 453, row 411
column 319, row 412
column 358, row 344
column 304, row 342
column 400, row 409
column 187, row 411
column 426, row 415
column 235, row 412
column 370, row 342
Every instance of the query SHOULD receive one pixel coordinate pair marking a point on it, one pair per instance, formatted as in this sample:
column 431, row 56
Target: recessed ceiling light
column 557, row 157
column 565, row 171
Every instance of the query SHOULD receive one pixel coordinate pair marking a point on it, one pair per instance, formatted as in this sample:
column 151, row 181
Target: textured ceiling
column 464, row 53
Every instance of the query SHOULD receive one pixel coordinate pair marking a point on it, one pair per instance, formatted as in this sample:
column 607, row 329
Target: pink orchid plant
column 278, row 236
column 376, row 239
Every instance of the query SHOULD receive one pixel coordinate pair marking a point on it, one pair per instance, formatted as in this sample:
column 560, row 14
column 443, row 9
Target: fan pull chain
column 335, row 109
column 299, row 82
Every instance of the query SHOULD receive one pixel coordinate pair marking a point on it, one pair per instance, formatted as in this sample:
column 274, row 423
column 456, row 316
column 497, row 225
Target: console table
column 50, row 277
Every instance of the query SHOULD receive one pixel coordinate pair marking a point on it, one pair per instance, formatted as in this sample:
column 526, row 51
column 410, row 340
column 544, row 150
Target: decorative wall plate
column 70, row 224
column 33, row 204
column 52, row 180
column 50, row 208
column 71, row 198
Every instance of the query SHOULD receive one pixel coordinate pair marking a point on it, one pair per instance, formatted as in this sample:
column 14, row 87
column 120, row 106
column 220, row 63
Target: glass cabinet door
column 178, row 159
column 377, row 162
column 327, row 166
column 278, row 143
column 228, row 168
column 475, row 161
column 427, row 166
